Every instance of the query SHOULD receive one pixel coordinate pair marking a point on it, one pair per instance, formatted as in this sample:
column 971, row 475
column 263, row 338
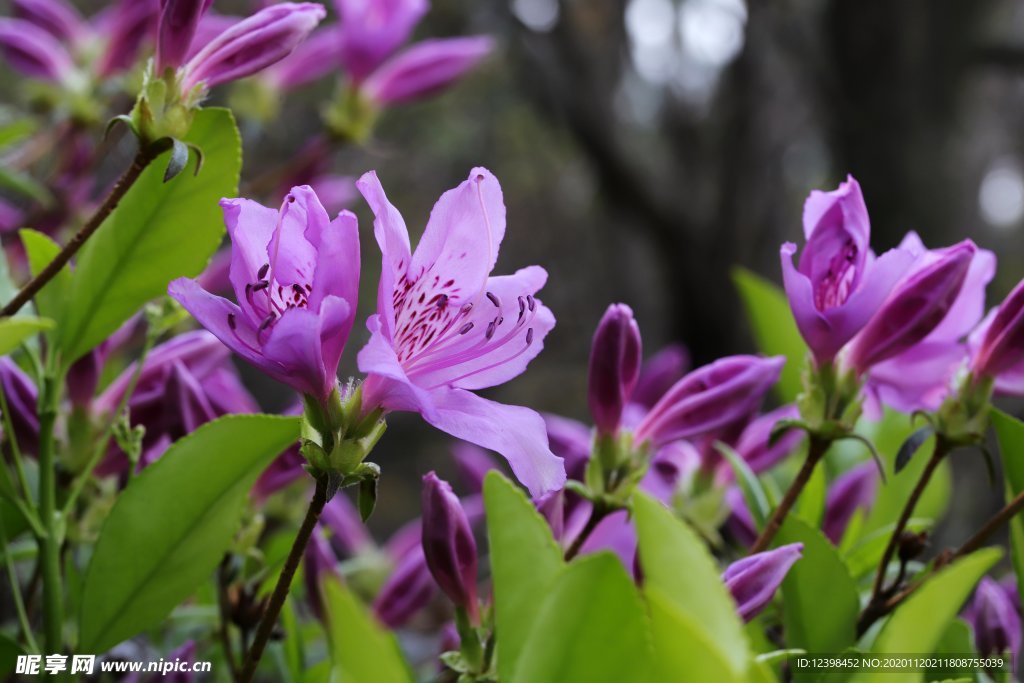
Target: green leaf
column 525, row 562
column 683, row 649
column 14, row 331
column 15, row 131
column 774, row 329
column 954, row 644
column 561, row 647
column 159, row 232
column 1010, row 434
column 361, row 650
column 819, row 597
column 170, row 527
column 917, row 626
column 753, row 493
column 9, row 651
column 677, row 564
column 888, row 435
column 863, row 558
column 41, row 250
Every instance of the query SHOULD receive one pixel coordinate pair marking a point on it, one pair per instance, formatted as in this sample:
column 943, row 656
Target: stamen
column 529, row 336
column 267, row 322
column 494, row 299
column 261, row 285
column 231, row 321
column 522, row 307
column 530, row 302
column 466, row 328
column 262, row 272
column 442, row 300
column 490, row 330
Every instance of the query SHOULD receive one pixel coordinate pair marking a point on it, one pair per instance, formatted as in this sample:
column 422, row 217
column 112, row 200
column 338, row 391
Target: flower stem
column 224, row 627
column 33, row 286
column 49, row 546
column 938, row 453
column 19, row 603
column 597, row 515
column 815, row 452
column 284, row 581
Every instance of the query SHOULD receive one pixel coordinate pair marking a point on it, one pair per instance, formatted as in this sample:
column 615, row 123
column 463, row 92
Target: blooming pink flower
column 445, row 327
column 295, row 274
column 371, row 30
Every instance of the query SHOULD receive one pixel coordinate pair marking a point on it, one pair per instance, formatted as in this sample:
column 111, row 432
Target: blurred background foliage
column 646, row 147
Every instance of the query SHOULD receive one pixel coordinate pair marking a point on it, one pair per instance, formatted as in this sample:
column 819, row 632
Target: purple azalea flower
column 371, row 30
column 614, row 367
column 754, row 579
column 851, row 491
column 752, row 444
column 252, row 44
column 313, row 59
column 995, row 619
column 916, row 307
column 444, row 327
column 34, row 52
column 710, row 398
column 425, row 68
column 22, row 397
column 473, row 463
column 999, row 343
column 296, row 277
column 838, row 283
column 57, row 17
column 185, row 382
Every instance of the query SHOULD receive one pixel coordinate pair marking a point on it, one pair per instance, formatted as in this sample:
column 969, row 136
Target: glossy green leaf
column 917, row 626
column 14, row 331
column 954, row 643
column 1010, row 433
column 171, row 526
column 819, row 597
column 773, row 327
column 525, row 561
column 676, row 562
column 590, row 629
column 41, row 250
column 361, row 650
column 683, row 649
column 888, row 435
column 159, row 232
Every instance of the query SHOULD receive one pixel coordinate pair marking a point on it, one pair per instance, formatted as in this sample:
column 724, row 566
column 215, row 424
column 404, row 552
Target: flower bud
column 425, row 68
column 408, row 590
column 994, row 618
column 753, row 443
column 448, row 544
column 21, row 397
column 371, row 30
column 252, row 44
column 710, row 398
column 915, row 307
column 83, row 377
column 57, row 17
column 754, row 579
column 34, row 52
column 850, row 491
column 178, row 22
column 659, row 373
column 1002, row 346
column 128, row 24
column 614, row 367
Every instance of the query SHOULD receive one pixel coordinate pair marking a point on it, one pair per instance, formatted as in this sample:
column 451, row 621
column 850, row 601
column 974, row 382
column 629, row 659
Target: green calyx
column 162, row 110
column 616, row 466
column 336, row 440
column 831, row 402
column 962, row 419
column 351, row 116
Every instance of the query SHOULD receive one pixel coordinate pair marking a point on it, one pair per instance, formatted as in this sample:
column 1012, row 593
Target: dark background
column 647, row 147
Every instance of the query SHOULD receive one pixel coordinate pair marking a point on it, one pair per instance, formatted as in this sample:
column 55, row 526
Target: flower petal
column 516, row 433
